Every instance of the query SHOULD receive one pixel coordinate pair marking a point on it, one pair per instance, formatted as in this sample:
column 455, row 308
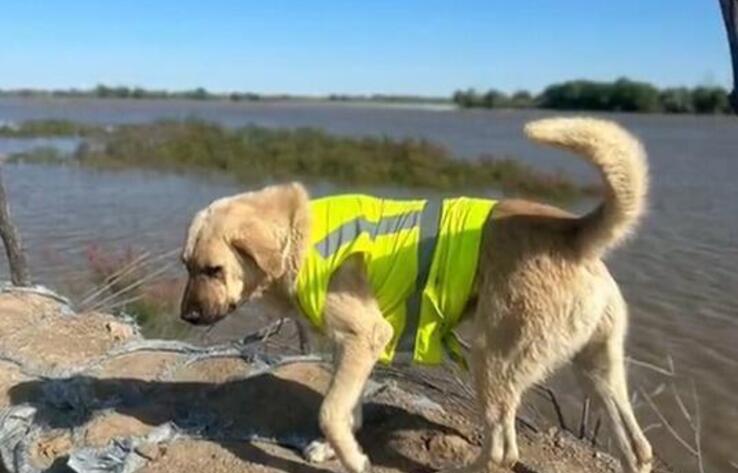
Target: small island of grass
column 251, row 154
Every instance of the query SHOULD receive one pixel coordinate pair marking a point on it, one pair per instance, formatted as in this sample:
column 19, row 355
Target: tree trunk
column 16, row 258
column 730, row 15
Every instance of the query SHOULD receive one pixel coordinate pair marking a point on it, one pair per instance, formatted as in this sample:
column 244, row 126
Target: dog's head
column 235, row 249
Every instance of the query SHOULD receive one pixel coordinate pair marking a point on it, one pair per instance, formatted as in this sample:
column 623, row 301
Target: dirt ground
column 84, row 392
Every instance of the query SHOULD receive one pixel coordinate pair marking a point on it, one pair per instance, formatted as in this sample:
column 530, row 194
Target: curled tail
column 621, row 161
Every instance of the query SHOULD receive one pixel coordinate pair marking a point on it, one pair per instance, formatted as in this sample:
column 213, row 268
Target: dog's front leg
column 357, row 355
column 319, row 450
column 355, row 324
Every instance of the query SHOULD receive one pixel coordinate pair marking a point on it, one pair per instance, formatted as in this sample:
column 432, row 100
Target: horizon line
column 318, row 95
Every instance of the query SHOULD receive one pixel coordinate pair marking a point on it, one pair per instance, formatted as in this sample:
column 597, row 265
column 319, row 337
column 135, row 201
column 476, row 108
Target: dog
column 540, row 297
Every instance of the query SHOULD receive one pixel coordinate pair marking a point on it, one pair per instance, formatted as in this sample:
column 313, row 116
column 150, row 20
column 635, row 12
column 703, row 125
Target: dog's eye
column 212, row 271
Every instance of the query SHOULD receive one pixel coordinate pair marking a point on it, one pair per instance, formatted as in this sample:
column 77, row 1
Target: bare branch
column 110, row 280
column 596, row 431
column 134, row 285
column 139, row 262
column 123, row 303
column 651, row 366
column 584, row 418
column 17, row 262
column 303, row 337
column 545, row 390
column 697, row 427
column 668, row 426
column 655, row 425
column 681, row 405
column 264, row 333
column 272, row 330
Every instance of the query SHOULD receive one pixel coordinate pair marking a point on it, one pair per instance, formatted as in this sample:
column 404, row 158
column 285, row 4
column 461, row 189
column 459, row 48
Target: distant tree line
column 123, row 92
column 200, row 93
column 386, row 98
column 621, row 95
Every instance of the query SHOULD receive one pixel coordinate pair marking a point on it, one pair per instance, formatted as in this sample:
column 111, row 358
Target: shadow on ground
column 264, row 406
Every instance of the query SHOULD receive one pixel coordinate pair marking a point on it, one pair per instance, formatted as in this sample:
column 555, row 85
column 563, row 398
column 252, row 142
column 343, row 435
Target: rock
column 24, row 311
column 213, row 370
column 120, row 331
column 450, row 449
column 10, row 375
column 144, row 366
column 113, row 425
column 62, row 343
column 50, row 446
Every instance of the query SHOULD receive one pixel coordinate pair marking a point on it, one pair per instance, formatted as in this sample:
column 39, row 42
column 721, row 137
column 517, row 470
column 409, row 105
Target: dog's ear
column 260, row 242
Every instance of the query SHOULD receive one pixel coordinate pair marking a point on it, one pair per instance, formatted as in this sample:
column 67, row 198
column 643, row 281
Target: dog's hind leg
column 518, row 348
column 499, row 382
column 601, row 369
column 498, row 400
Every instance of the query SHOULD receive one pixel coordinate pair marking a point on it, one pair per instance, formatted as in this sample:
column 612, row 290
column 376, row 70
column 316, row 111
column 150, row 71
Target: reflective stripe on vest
column 350, row 230
column 428, row 233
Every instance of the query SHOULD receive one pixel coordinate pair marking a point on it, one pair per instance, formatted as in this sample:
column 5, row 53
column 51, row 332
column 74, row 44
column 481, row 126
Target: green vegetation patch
column 40, row 155
column 254, row 154
column 48, row 128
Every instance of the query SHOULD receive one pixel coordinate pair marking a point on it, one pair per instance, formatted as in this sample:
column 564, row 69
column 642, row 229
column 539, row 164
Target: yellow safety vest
column 421, row 262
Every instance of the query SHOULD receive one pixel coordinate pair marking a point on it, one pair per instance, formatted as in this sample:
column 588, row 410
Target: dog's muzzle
column 194, row 317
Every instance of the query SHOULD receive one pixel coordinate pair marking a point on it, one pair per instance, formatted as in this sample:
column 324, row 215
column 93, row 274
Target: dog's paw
column 318, row 451
column 644, row 456
column 462, row 469
column 641, row 465
column 361, row 465
column 645, row 467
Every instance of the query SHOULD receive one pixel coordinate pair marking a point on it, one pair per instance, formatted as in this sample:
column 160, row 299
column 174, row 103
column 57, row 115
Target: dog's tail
column 621, row 161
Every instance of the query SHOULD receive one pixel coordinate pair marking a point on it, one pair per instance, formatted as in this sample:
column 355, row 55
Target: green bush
column 710, row 100
column 677, row 100
column 623, row 95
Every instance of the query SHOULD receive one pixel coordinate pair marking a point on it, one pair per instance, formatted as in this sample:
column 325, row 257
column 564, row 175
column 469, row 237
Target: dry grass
column 137, row 284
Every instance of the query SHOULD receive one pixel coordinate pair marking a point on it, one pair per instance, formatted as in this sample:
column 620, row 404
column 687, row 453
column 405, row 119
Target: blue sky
column 316, row 47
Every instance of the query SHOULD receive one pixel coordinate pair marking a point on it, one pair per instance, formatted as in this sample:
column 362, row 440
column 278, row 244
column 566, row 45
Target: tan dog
column 544, row 295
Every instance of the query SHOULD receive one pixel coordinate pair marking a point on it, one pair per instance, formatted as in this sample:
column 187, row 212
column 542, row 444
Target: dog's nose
column 191, row 316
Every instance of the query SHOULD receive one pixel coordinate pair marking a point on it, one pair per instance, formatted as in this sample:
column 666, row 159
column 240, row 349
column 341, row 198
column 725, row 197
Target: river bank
column 85, row 391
